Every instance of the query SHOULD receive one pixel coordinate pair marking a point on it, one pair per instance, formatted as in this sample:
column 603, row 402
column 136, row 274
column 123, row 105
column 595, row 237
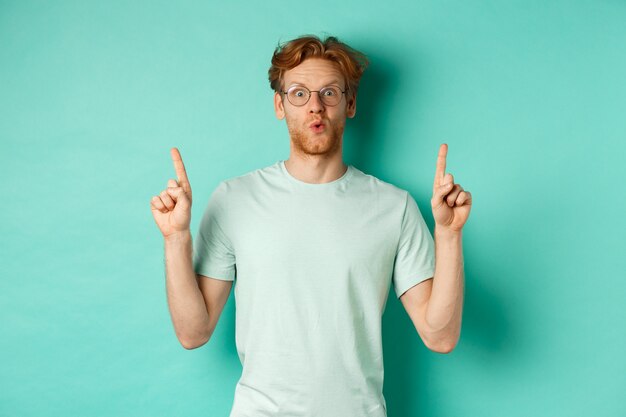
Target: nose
column 315, row 103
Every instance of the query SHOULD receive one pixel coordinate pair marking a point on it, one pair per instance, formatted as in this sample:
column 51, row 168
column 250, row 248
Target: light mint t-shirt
column 313, row 265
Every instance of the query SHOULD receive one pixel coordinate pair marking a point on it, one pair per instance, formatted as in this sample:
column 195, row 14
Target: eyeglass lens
column 299, row 96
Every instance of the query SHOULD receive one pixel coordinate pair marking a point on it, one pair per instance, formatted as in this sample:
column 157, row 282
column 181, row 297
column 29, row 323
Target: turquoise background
column 529, row 96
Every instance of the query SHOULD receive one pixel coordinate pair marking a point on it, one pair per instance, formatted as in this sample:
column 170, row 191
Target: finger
column 172, row 183
column 448, row 179
column 464, row 198
column 441, row 164
column 440, row 193
column 181, row 173
column 460, row 199
column 451, row 197
column 174, row 193
column 180, row 197
column 167, row 200
column 158, row 204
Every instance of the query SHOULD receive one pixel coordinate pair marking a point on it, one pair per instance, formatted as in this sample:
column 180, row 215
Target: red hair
column 290, row 54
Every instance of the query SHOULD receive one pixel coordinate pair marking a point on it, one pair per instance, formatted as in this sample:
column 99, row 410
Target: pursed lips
column 316, row 123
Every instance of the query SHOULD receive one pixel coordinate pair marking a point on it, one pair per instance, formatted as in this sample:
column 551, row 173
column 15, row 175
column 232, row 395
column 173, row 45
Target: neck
column 316, row 169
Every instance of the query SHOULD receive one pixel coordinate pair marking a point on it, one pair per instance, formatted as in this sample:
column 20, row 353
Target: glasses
column 299, row 95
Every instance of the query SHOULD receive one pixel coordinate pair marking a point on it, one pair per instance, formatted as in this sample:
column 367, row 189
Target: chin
column 319, row 146
column 326, row 143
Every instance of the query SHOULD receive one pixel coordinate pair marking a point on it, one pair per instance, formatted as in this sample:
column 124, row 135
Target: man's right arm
column 195, row 302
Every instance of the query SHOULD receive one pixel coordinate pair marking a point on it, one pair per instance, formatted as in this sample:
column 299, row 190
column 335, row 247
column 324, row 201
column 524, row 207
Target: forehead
column 314, row 72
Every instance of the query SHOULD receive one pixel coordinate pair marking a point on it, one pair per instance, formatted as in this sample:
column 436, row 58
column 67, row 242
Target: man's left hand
column 450, row 203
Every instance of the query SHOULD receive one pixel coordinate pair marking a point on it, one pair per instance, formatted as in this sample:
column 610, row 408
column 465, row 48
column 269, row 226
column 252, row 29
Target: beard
column 305, row 142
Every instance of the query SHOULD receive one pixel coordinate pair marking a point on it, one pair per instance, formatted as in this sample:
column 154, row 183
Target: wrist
column 178, row 237
column 446, row 233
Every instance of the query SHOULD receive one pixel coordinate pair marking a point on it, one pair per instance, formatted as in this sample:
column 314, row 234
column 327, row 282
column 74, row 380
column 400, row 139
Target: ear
column 278, row 106
column 351, row 108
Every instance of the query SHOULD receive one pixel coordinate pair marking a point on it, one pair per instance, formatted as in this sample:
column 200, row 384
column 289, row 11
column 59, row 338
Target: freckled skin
column 315, row 73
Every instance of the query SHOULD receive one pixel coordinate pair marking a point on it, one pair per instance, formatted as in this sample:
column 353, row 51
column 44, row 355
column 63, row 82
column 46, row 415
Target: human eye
column 298, row 92
column 330, row 91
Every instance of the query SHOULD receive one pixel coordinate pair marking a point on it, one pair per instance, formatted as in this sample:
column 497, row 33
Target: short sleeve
column 415, row 255
column 213, row 254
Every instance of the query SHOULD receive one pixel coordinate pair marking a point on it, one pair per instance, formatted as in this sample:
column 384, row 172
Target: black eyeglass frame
column 286, row 93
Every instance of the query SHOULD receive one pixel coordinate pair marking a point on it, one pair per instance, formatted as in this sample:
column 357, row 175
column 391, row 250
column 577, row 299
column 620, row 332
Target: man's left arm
column 436, row 305
column 445, row 306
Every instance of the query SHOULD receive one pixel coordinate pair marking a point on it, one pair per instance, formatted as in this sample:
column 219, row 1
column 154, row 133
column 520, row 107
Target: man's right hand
column 172, row 207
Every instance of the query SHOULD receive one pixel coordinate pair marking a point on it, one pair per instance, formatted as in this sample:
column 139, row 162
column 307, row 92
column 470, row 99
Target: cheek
column 338, row 117
column 291, row 120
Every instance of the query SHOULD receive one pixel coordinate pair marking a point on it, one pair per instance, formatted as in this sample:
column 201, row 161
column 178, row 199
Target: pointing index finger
column 179, row 167
column 441, row 164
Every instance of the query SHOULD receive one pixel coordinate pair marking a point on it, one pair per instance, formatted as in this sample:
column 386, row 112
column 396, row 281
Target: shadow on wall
column 376, row 88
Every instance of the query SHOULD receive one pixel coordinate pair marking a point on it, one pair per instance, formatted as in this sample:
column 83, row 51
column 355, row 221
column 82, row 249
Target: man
column 314, row 245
